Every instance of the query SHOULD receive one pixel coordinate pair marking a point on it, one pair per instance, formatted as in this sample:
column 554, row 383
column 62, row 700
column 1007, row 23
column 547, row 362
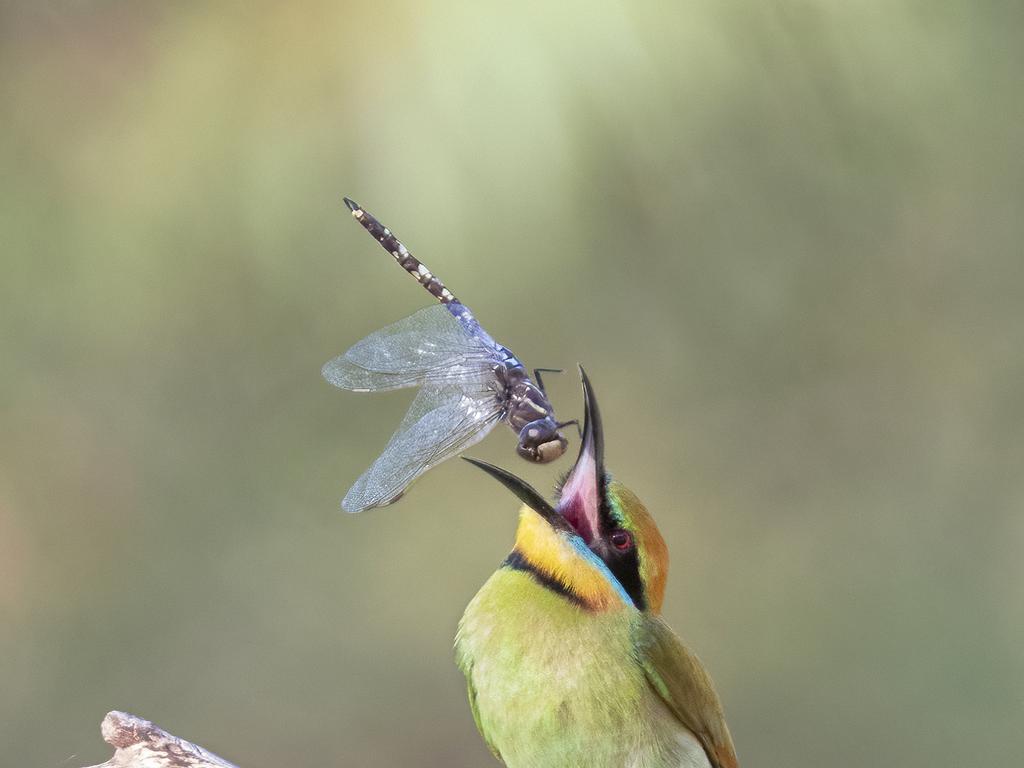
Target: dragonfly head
column 541, row 442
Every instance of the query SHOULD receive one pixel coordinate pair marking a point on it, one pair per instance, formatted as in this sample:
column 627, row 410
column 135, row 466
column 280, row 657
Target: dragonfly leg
column 571, row 421
column 540, row 382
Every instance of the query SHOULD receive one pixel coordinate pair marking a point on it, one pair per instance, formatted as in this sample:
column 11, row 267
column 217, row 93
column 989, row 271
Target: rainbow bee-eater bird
column 567, row 660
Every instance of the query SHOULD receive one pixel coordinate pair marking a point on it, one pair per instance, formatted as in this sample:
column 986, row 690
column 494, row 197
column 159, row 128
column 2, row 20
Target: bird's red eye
column 622, row 540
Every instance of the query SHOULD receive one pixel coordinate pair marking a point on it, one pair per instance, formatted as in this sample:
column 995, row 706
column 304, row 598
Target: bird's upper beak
column 582, row 496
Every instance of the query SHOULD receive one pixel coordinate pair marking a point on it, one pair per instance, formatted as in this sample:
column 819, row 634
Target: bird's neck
column 564, row 565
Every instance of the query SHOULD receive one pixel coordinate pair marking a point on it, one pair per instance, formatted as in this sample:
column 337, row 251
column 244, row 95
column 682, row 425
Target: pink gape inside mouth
column 573, row 510
column 579, row 502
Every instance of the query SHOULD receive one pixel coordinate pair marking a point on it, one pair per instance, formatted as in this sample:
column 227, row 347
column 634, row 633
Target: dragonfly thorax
column 530, row 414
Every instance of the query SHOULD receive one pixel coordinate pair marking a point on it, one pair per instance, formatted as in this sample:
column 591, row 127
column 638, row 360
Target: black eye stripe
column 625, row 566
column 623, row 563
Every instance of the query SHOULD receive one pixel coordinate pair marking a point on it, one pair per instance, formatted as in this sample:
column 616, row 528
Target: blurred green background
column 784, row 238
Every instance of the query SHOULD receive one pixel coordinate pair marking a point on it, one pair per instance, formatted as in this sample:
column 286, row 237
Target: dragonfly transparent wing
column 429, row 345
column 443, row 420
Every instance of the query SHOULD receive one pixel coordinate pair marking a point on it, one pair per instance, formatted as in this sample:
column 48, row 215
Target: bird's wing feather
column 471, row 693
column 681, row 681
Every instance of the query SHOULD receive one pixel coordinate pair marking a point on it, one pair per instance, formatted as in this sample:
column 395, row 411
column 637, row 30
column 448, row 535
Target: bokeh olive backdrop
column 784, row 237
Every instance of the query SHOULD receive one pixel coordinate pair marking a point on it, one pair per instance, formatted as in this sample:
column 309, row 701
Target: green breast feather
column 551, row 684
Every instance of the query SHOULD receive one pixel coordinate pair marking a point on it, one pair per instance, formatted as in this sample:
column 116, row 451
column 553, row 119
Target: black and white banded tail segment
column 394, row 246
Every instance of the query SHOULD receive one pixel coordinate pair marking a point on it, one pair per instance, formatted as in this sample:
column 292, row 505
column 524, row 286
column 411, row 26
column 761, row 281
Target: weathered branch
column 140, row 744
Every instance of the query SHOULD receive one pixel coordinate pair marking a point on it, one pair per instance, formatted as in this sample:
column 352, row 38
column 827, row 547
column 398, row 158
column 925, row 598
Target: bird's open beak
column 579, row 505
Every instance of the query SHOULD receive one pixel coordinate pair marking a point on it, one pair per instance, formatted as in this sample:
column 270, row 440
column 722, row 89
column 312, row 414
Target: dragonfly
column 467, row 383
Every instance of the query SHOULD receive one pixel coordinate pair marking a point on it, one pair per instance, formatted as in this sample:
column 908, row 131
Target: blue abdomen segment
column 464, row 315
